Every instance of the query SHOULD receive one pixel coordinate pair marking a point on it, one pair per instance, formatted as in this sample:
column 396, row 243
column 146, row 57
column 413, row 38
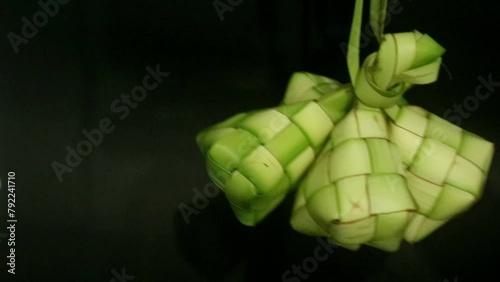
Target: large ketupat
column 361, row 192
column 257, row 157
column 356, row 192
column 447, row 167
column 388, row 174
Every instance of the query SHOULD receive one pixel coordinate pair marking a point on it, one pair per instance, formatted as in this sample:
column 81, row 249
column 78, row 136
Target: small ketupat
column 256, row 158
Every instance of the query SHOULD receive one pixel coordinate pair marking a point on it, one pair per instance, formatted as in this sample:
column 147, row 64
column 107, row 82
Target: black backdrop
column 117, row 212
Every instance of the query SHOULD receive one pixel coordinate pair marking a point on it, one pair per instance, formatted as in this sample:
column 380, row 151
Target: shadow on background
column 221, row 248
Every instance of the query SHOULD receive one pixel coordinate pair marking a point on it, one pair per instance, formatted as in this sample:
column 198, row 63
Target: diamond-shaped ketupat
column 392, row 170
column 356, row 192
column 256, row 158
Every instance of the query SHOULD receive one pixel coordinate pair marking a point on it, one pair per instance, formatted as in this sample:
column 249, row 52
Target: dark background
column 120, row 207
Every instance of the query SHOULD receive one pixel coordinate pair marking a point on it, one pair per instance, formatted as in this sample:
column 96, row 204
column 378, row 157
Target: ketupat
column 445, row 167
column 356, row 192
column 256, row 158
